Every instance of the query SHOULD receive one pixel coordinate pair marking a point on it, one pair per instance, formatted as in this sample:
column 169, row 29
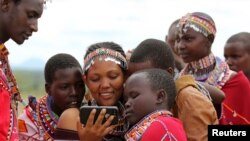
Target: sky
column 70, row 26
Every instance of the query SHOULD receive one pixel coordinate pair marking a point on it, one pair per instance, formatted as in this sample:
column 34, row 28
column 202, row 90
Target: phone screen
column 110, row 110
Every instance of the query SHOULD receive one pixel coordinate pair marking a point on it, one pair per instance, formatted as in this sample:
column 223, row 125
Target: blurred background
column 70, row 26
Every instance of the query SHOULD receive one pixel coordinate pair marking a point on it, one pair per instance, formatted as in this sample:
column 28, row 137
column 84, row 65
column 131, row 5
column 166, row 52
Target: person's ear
column 84, row 78
column 170, row 71
column 4, row 5
column 161, row 95
column 47, row 88
column 210, row 38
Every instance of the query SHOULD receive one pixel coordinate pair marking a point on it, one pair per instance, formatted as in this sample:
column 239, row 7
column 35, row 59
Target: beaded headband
column 197, row 23
column 109, row 55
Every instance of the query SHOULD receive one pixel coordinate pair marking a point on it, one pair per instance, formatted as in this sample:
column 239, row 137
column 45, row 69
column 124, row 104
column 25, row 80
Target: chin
column 19, row 42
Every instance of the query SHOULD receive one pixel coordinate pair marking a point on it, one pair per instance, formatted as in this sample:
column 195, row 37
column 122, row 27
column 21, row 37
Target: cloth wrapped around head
column 200, row 22
column 106, row 55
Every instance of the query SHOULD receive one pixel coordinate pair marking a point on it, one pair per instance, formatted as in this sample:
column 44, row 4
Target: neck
column 3, row 36
column 56, row 109
column 204, row 65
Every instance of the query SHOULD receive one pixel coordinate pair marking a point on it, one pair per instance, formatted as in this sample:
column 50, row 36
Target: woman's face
column 105, row 81
column 237, row 56
column 192, row 45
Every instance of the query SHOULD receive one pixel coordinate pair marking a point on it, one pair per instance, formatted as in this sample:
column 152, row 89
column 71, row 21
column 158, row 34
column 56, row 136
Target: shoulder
column 68, row 119
column 162, row 127
column 190, row 93
column 184, row 81
column 238, row 81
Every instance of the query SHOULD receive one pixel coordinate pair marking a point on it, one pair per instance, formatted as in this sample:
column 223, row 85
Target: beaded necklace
column 8, row 82
column 136, row 132
column 4, row 64
column 47, row 119
column 209, row 69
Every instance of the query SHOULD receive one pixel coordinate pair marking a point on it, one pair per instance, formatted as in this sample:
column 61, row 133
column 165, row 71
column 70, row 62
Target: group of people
column 168, row 90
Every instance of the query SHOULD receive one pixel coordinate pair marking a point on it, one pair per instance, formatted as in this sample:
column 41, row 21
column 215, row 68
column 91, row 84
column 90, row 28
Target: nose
column 180, row 46
column 105, row 83
column 34, row 26
column 127, row 104
column 229, row 61
column 73, row 91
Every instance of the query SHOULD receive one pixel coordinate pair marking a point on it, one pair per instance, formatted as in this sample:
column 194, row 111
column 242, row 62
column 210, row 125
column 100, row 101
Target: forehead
column 33, row 5
column 133, row 67
column 191, row 31
column 102, row 66
column 235, row 47
column 137, row 80
column 62, row 74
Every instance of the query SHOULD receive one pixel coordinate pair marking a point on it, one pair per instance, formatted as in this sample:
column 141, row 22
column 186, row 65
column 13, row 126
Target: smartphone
column 110, row 110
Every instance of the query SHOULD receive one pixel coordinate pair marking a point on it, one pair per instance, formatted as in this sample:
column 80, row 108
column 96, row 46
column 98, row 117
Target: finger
column 108, row 130
column 100, row 117
column 90, row 120
column 109, row 121
column 79, row 125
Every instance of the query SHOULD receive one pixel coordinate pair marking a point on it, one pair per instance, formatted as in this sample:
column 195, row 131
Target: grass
column 30, row 82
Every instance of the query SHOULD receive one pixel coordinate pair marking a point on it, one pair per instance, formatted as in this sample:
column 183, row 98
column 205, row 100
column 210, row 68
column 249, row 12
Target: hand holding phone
column 110, row 110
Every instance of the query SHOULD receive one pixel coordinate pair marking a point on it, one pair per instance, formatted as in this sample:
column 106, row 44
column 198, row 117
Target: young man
column 193, row 108
column 18, row 19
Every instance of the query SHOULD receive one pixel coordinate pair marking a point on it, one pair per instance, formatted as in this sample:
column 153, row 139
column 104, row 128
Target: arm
column 216, row 94
column 68, row 119
column 193, row 108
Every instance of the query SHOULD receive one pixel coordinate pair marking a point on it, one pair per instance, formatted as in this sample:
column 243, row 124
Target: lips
column 27, row 35
column 233, row 68
column 106, row 95
column 128, row 113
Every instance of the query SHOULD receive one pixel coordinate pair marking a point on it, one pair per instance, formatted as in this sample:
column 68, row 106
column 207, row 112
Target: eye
column 64, row 87
column 32, row 15
column 177, row 39
column 225, row 56
column 187, row 38
column 236, row 56
column 94, row 79
column 134, row 95
column 113, row 76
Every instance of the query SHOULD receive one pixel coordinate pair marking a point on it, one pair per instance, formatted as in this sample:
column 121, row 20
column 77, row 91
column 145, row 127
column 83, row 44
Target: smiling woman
column 104, row 69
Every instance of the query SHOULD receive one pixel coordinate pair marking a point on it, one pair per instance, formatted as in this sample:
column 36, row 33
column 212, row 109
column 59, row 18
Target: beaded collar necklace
column 9, row 83
column 4, row 64
column 200, row 69
column 209, row 69
column 136, row 132
column 47, row 119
